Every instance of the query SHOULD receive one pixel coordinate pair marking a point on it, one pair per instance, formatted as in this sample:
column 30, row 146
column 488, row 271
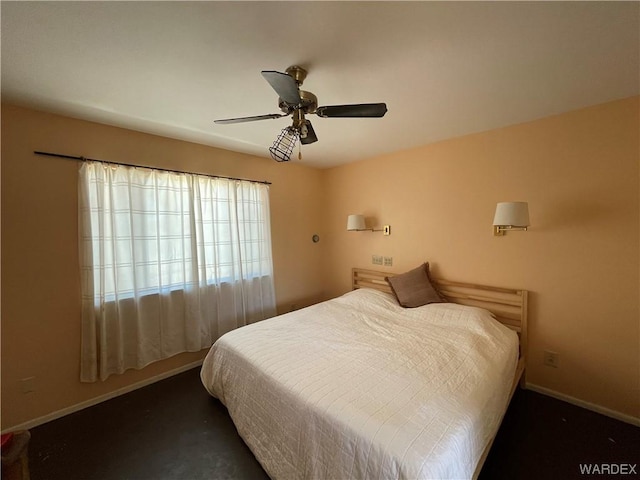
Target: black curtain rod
column 83, row 159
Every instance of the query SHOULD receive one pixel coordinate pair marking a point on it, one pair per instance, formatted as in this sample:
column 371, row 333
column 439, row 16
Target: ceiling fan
column 298, row 103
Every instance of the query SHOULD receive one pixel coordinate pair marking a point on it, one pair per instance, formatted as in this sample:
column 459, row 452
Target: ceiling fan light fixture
column 284, row 144
column 304, row 130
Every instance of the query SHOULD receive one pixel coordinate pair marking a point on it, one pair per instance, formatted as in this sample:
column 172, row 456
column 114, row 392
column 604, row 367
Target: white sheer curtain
column 169, row 262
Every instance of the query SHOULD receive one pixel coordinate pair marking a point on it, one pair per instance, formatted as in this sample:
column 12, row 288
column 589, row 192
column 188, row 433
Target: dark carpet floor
column 174, row 430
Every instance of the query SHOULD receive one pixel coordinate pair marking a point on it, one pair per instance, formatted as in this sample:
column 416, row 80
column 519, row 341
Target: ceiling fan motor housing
column 308, row 103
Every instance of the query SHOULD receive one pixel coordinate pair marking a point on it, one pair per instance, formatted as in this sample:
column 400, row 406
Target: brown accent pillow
column 414, row 288
column 443, row 299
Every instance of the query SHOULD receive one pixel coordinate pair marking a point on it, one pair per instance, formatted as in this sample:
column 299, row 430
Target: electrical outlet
column 376, row 259
column 388, row 261
column 551, row 359
column 28, row 384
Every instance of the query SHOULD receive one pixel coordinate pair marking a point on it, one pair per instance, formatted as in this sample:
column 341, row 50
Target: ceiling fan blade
column 358, row 110
column 228, row 121
column 284, row 85
column 311, row 134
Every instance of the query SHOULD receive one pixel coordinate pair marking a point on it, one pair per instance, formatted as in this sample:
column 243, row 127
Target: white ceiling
column 444, row 69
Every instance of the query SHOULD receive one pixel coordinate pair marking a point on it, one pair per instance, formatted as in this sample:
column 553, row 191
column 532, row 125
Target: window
column 164, row 254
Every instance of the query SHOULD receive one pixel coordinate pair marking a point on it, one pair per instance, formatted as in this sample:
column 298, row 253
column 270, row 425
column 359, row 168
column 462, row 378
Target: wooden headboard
column 508, row 305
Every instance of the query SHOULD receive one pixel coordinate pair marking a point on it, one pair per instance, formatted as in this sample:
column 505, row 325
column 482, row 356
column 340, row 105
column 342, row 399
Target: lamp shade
column 515, row 214
column 355, row 222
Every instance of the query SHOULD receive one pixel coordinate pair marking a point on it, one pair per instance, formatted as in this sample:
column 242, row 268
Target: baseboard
column 581, row 403
column 102, row 398
column 129, row 388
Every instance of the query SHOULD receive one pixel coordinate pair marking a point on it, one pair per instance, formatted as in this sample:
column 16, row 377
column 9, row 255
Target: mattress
column 359, row 387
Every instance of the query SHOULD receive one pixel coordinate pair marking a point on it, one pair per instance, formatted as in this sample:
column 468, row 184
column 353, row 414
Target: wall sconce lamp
column 355, row 223
column 510, row 216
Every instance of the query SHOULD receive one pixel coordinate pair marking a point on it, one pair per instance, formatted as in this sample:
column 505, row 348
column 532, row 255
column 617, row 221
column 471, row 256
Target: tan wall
column 40, row 286
column 579, row 172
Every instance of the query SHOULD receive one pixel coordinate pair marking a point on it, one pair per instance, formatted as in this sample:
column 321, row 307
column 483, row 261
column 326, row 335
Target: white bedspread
column 359, row 387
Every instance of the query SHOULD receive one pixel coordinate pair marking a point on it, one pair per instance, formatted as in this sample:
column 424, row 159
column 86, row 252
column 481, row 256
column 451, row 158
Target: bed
column 360, row 387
